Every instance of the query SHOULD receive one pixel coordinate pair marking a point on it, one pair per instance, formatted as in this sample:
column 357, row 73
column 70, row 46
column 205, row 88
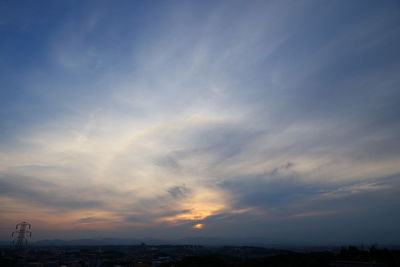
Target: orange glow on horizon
column 198, row 211
column 198, row 226
column 201, row 204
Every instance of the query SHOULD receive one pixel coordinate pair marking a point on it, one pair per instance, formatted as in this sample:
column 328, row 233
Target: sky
column 277, row 121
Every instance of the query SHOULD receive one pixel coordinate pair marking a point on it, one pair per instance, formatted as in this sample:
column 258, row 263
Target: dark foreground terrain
column 168, row 255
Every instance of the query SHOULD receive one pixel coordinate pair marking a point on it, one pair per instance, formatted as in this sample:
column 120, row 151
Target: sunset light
column 198, row 226
column 268, row 122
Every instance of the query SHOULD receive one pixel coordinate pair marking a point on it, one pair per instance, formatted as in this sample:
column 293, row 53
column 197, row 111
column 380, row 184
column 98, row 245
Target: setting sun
column 198, row 226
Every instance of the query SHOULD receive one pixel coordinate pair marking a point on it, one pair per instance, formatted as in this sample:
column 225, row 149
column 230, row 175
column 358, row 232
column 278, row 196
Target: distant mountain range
column 149, row 241
column 205, row 241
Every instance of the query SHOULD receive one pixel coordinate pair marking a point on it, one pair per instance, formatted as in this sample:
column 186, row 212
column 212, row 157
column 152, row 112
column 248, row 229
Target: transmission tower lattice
column 21, row 232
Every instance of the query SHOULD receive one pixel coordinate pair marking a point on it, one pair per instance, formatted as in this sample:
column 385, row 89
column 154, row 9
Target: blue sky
column 273, row 120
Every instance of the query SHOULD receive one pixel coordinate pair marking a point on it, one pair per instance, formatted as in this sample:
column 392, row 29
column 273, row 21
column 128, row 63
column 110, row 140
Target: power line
column 21, row 234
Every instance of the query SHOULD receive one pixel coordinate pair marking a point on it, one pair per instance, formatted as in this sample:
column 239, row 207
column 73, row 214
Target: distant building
column 356, row 264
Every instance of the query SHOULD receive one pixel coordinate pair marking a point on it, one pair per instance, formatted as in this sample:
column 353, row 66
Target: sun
column 198, row 226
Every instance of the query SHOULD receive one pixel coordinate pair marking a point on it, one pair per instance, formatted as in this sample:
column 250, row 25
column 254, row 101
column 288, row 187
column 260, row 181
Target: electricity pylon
column 21, row 232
